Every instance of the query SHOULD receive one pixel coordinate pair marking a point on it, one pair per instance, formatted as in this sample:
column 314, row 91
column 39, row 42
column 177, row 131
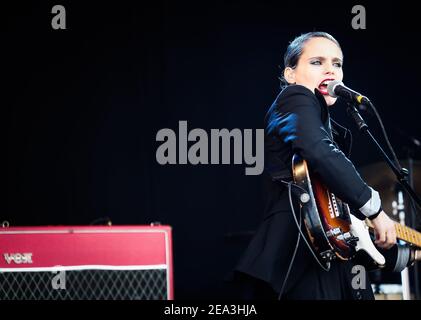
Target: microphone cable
column 386, row 138
column 300, row 235
column 395, row 158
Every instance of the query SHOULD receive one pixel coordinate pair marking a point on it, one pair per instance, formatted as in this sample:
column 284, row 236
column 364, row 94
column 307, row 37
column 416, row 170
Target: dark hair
column 295, row 50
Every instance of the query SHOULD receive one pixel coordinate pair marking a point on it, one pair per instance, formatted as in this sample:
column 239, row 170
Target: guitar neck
column 404, row 233
column 408, row 235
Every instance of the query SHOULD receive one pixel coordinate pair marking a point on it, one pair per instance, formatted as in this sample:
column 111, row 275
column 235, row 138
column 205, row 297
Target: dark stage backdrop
column 81, row 108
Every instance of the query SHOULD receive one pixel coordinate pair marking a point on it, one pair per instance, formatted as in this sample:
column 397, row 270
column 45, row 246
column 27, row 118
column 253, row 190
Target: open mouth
column 323, row 86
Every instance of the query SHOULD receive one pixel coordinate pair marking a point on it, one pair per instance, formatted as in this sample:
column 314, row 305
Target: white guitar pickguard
column 360, row 229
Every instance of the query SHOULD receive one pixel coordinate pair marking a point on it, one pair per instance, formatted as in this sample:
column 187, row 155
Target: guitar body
column 332, row 230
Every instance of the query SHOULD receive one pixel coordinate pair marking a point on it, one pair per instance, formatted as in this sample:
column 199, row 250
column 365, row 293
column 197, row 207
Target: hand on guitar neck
column 385, row 231
column 410, row 236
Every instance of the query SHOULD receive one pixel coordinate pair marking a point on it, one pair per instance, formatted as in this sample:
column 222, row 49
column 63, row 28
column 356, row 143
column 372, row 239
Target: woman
column 299, row 122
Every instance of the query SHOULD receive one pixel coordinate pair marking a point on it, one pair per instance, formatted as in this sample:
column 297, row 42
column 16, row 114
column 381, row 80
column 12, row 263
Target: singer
column 299, row 122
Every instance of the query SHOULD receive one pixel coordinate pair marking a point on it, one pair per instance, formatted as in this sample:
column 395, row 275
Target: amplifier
column 86, row 262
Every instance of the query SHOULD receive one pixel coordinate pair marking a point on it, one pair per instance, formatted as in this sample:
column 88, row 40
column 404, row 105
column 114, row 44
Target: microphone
column 338, row 89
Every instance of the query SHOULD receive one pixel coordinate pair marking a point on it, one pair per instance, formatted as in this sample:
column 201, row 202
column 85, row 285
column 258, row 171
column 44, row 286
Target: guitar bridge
column 339, row 235
column 349, row 239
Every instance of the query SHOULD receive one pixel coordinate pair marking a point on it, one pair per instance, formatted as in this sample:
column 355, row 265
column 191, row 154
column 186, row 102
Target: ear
column 289, row 75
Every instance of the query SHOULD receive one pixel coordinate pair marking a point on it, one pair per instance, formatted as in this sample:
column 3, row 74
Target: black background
column 81, row 108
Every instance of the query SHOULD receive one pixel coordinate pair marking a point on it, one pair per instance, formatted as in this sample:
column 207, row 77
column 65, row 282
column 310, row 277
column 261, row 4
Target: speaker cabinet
column 86, row 263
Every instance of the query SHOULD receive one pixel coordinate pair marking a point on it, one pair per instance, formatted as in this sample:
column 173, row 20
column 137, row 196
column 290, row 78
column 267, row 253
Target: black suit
column 298, row 122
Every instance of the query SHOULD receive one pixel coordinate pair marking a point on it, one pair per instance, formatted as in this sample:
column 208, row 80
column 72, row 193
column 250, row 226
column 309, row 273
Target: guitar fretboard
column 407, row 234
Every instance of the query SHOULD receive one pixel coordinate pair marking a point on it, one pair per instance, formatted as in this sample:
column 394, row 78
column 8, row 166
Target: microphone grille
column 331, row 87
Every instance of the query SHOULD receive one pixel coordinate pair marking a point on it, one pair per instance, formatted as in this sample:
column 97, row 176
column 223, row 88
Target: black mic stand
column 401, row 175
column 412, row 216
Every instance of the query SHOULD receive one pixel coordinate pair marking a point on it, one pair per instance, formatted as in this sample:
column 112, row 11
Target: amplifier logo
column 18, row 258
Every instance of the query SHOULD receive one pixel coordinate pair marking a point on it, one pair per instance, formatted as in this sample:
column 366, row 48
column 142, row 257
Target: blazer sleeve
column 398, row 257
column 296, row 118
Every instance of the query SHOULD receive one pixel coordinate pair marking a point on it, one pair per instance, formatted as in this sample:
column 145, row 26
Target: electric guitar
column 331, row 228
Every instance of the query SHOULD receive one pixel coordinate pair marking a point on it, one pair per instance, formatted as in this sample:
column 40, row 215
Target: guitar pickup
column 334, row 232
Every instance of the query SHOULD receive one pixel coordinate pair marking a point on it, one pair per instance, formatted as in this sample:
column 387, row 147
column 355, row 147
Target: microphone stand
column 401, row 175
column 412, row 222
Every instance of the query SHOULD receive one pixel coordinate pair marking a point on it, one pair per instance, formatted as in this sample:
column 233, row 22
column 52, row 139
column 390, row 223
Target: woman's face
column 320, row 63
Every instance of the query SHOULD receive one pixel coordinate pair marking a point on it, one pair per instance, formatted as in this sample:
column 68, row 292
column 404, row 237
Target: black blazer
column 298, row 121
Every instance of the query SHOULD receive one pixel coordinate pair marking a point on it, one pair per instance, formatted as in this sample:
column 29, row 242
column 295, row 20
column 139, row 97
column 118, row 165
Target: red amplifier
column 86, row 262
